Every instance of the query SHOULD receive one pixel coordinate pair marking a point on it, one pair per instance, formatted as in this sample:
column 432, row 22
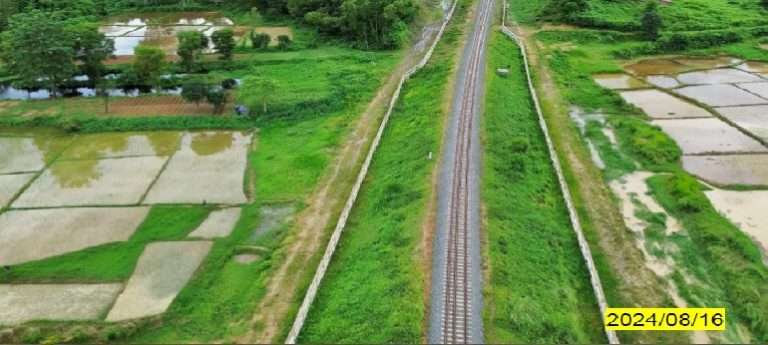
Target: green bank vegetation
column 373, row 291
column 538, row 288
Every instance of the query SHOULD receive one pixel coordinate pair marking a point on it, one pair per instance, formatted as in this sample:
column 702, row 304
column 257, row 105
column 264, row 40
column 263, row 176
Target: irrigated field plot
column 746, row 209
column 700, row 136
column 28, row 235
column 659, row 105
column 753, row 119
column 163, row 269
column 10, row 185
column 210, row 166
column 219, row 223
column 724, row 95
column 27, row 154
column 25, row 302
column 119, row 181
column 717, row 76
column 729, row 169
column 118, row 145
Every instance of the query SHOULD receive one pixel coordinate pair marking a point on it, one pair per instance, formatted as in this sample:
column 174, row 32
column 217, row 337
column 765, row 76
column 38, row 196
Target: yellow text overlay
column 665, row 319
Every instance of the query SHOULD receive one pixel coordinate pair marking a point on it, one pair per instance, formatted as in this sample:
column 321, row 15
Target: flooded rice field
column 722, row 95
column 30, row 235
column 20, row 303
column 725, row 170
column 716, row 110
column 660, row 105
column 701, row 136
column 746, row 209
column 62, row 193
column 162, row 271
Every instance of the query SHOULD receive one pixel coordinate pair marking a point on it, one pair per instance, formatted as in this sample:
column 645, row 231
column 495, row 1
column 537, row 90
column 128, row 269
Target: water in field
column 619, row 81
column 656, row 67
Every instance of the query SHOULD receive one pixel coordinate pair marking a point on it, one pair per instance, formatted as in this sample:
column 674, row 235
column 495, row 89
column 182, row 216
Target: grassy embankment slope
column 538, row 287
column 721, row 259
column 374, row 289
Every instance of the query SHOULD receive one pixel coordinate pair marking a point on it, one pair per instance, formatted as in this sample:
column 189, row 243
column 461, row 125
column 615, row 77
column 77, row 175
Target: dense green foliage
column 373, row 291
column 224, row 43
column 530, row 240
column 44, row 50
column 651, row 20
column 113, row 261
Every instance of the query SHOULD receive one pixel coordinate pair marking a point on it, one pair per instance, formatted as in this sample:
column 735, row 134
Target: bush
column 676, row 41
column 284, row 42
column 260, row 40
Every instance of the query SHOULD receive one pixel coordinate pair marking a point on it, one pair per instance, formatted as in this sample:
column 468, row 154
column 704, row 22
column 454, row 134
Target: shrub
column 284, row 42
column 651, row 20
column 260, row 40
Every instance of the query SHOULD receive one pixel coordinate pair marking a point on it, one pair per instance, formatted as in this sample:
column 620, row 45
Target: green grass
column 373, row 291
column 733, row 259
column 114, row 261
column 539, row 289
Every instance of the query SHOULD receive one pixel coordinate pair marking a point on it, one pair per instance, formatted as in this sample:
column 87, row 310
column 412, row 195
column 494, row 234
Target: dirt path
column 636, row 284
column 314, row 222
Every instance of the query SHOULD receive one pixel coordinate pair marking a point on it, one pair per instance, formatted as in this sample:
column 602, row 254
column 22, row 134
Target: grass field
column 373, row 291
column 538, row 288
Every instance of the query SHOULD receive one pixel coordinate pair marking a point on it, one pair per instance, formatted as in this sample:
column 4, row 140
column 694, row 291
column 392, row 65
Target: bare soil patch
column 701, row 136
column 219, row 223
column 746, row 209
column 210, row 166
column 10, row 185
column 657, row 67
column 162, row 271
column 29, row 235
column 659, row 105
column 65, row 302
column 729, row 170
column 120, row 181
column 722, row 95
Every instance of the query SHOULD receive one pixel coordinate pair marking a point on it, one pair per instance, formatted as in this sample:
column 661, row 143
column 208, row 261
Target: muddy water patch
column 10, row 185
column 701, row 136
column 754, row 67
column 164, row 268
column 709, row 63
column 29, row 235
column 728, row 170
column 618, row 81
column 660, row 105
column 747, row 210
column 117, row 145
column 119, row 181
column 62, row 302
column 219, row 223
column 210, row 166
column 723, row 95
column 753, row 119
column 656, row 67
column 717, row 76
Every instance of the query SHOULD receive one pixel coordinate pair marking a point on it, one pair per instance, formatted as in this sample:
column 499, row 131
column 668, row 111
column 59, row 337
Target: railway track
column 457, row 316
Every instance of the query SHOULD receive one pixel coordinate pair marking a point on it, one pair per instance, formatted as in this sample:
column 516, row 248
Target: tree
column 191, row 44
column 284, row 42
column 194, row 91
column 224, row 43
column 36, row 48
column 217, row 97
column 651, row 20
column 148, row 64
column 257, row 90
column 260, row 40
column 91, row 48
